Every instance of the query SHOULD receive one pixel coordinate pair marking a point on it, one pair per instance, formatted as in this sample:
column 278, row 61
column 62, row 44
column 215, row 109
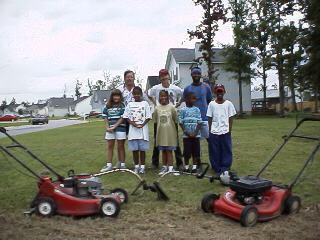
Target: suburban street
column 17, row 130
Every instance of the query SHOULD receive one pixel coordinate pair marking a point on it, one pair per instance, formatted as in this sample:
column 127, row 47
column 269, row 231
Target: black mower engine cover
column 250, row 184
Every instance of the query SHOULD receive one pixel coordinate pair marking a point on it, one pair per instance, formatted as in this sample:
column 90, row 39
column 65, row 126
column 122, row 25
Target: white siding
column 43, row 111
column 172, row 68
column 58, row 112
column 184, row 76
column 83, row 107
column 232, row 90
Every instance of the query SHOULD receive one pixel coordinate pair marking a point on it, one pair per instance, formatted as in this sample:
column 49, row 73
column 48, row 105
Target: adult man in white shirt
column 220, row 116
column 175, row 94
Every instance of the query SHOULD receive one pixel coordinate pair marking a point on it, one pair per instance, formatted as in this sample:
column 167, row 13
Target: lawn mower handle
column 16, row 144
column 142, row 183
column 155, row 187
column 3, row 130
column 286, row 138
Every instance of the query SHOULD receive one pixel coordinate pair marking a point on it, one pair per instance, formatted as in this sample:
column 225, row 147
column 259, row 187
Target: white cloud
column 47, row 44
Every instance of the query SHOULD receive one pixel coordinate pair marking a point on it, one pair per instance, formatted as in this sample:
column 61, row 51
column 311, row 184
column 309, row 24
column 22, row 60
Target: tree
column 90, row 86
column 3, row 105
column 138, row 78
column 77, row 89
column 292, row 59
column 279, row 10
column 112, row 82
column 311, row 39
column 239, row 57
column 260, row 32
column 116, row 81
column 13, row 101
column 100, row 85
column 20, row 111
column 214, row 12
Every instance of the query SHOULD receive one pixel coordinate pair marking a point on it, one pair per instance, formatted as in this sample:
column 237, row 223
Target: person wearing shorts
column 115, row 129
column 138, row 114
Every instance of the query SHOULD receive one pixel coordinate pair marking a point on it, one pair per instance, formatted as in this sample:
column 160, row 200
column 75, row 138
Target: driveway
column 36, row 128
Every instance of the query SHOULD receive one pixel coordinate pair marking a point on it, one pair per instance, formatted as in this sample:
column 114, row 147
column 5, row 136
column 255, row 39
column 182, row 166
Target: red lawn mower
column 75, row 195
column 252, row 199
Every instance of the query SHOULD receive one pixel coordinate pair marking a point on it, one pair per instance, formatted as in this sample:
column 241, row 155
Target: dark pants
column 191, row 148
column 156, row 152
column 221, row 152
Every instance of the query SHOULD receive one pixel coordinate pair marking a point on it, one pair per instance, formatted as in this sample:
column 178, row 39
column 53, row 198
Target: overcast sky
column 46, row 45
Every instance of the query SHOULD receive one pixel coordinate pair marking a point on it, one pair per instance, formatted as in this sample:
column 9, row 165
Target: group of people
column 206, row 115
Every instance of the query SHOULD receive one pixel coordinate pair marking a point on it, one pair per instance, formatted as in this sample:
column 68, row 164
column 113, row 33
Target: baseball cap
column 163, row 72
column 195, row 70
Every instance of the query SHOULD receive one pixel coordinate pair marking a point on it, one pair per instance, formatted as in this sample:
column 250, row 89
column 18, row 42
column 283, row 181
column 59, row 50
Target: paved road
column 17, row 130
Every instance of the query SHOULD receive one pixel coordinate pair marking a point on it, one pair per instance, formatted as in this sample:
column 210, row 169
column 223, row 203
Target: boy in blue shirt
column 190, row 121
column 203, row 96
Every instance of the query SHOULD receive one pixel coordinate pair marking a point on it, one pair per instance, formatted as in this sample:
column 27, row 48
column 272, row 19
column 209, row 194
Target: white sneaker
column 163, row 170
column 136, row 170
column 142, row 171
column 106, row 168
column 172, row 170
column 225, row 178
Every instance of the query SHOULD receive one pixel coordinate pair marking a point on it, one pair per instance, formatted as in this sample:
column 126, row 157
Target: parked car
column 25, row 116
column 8, row 117
column 39, row 119
column 94, row 114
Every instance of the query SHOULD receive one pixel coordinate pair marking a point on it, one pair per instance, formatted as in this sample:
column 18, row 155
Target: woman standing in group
column 128, row 86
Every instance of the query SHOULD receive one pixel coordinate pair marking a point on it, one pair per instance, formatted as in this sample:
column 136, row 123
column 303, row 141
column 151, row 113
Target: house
column 35, row 109
column 82, row 106
column 59, row 106
column 152, row 81
column 180, row 60
column 98, row 100
column 11, row 109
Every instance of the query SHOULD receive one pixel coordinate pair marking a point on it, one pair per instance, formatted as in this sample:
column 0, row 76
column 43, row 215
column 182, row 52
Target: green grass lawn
column 82, row 148
column 14, row 124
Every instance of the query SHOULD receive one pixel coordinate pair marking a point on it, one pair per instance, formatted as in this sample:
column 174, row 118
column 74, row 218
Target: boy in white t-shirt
column 138, row 115
column 220, row 115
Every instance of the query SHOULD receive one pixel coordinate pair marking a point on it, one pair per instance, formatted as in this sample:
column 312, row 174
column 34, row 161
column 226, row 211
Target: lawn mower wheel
column 109, row 207
column 45, row 207
column 292, row 205
column 123, row 194
column 207, row 202
column 249, row 216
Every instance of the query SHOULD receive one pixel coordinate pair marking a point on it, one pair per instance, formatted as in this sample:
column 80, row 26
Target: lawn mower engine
column 84, row 185
column 249, row 189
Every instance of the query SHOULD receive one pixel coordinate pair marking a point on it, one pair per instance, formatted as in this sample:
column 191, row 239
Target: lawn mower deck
column 61, row 198
column 253, row 199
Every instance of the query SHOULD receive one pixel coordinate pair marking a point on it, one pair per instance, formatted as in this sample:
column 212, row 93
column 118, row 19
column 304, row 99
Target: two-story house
column 180, row 60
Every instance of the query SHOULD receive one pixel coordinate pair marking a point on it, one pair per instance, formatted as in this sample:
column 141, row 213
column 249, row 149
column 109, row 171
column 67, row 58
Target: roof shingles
column 187, row 55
